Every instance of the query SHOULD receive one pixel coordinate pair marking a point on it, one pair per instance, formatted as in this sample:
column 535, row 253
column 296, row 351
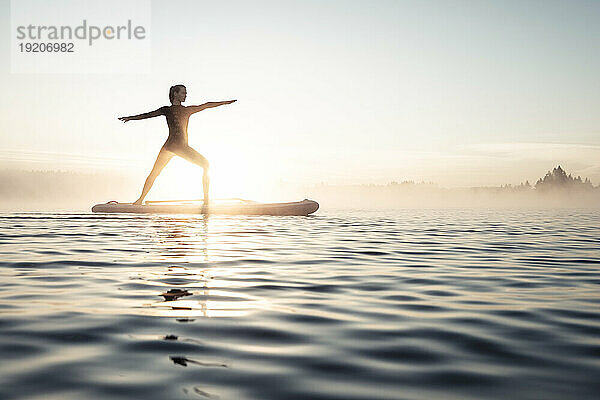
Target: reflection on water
column 416, row 304
column 184, row 238
column 195, row 293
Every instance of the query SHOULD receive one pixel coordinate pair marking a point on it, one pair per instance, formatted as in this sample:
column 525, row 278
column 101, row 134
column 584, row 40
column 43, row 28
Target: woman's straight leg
column 163, row 158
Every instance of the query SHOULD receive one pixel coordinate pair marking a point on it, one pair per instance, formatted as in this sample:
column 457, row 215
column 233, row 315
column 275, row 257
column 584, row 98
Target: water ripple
column 405, row 304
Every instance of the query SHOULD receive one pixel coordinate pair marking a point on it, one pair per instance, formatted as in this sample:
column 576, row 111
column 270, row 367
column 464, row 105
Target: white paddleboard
column 304, row 207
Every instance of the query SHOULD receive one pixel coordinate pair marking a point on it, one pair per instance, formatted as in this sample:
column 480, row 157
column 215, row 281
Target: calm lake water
column 408, row 304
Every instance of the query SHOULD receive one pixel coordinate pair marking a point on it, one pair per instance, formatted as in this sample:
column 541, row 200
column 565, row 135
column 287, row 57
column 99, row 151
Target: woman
column 177, row 142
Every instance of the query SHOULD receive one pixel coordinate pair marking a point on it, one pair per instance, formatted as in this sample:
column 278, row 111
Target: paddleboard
column 241, row 207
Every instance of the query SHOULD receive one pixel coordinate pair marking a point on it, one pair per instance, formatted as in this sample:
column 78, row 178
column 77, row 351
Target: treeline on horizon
column 555, row 189
column 44, row 190
column 556, row 179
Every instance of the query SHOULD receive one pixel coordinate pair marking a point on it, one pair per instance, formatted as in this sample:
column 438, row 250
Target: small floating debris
column 184, row 362
column 170, row 337
column 179, row 360
column 174, row 294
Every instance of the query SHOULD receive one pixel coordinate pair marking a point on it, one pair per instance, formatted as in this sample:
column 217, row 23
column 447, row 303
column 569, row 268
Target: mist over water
column 71, row 191
column 415, row 304
column 432, row 196
column 22, row 190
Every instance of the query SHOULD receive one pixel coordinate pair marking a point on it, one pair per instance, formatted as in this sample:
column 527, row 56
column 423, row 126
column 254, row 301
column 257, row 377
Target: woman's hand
column 124, row 119
column 230, row 101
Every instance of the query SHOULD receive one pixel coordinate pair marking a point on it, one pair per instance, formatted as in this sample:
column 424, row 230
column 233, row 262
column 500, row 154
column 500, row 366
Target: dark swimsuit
column 178, row 117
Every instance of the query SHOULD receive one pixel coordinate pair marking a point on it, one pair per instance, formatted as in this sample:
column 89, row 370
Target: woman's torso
column 177, row 121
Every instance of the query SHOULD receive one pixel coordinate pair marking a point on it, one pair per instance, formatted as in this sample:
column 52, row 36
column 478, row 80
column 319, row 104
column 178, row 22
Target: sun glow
column 232, row 175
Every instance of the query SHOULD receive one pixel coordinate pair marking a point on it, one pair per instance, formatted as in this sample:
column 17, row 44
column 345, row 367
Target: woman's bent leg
column 163, row 158
column 193, row 156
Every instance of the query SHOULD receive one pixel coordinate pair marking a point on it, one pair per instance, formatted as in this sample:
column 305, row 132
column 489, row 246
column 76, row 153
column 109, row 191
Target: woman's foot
column 138, row 202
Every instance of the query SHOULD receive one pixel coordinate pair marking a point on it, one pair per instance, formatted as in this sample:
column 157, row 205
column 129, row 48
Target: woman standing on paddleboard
column 177, row 142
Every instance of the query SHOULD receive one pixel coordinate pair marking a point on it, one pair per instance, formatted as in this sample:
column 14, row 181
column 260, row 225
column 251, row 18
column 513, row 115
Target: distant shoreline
column 61, row 190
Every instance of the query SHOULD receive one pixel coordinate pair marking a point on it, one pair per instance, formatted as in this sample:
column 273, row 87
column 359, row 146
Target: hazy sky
column 457, row 92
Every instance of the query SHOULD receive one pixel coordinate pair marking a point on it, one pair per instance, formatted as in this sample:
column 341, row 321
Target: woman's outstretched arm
column 150, row 114
column 211, row 104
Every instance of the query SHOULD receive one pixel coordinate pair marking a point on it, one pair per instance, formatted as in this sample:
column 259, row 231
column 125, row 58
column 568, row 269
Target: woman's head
column 177, row 92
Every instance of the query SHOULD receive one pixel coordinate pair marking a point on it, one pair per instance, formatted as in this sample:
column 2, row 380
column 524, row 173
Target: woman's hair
column 174, row 89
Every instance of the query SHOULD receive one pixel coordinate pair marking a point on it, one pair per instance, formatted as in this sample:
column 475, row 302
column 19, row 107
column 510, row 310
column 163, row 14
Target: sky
column 460, row 93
